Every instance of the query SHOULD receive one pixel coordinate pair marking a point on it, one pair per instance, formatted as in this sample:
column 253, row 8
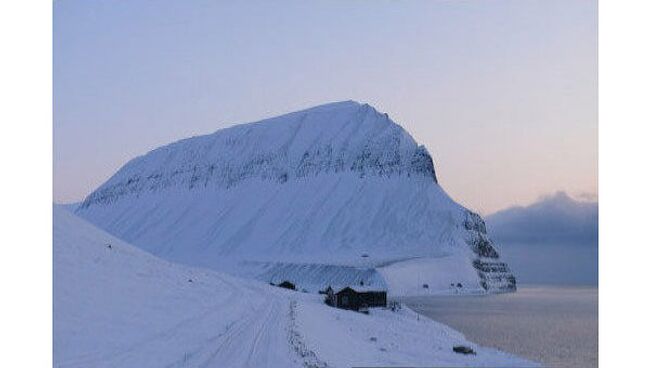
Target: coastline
column 556, row 325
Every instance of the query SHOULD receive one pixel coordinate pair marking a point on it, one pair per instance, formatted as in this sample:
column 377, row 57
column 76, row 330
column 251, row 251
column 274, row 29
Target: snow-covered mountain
column 117, row 306
column 335, row 194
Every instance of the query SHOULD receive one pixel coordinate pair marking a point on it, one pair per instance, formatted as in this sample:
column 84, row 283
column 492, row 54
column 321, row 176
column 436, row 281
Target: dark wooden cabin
column 287, row 285
column 355, row 298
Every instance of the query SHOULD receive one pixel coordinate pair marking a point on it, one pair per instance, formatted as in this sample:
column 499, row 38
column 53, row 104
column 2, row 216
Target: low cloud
column 587, row 196
column 555, row 219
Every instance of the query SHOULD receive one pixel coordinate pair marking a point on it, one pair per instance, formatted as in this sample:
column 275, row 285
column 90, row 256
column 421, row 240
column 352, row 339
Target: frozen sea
column 554, row 325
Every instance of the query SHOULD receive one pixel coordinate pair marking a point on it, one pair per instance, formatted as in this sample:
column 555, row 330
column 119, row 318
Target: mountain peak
column 336, row 105
column 335, row 138
column 333, row 114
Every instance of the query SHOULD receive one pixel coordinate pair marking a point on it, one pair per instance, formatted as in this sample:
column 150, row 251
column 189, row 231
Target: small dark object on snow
column 361, row 282
column 287, row 285
column 459, row 285
column 425, row 286
column 373, row 339
column 109, row 246
column 365, row 255
column 460, row 349
column 190, row 280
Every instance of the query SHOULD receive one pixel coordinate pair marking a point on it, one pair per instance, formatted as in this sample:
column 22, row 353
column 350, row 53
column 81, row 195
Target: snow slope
column 122, row 307
column 323, row 186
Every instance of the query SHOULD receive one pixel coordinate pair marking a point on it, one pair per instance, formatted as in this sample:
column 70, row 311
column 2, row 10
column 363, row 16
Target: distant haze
column 502, row 93
column 553, row 241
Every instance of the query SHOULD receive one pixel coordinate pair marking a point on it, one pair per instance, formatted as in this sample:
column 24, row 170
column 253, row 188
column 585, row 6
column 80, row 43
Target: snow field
column 119, row 306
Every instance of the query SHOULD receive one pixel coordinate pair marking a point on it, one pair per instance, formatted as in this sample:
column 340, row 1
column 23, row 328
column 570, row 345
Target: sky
column 502, row 93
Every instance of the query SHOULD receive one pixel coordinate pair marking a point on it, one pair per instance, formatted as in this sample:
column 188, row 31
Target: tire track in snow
column 308, row 357
column 257, row 338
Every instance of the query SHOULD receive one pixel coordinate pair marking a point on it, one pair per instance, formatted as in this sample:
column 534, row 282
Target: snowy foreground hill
column 332, row 195
column 118, row 306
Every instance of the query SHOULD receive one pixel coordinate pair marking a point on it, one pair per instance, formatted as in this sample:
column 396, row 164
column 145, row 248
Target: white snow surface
column 122, row 307
column 291, row 194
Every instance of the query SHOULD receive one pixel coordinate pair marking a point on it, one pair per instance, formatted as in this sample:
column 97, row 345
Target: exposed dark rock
column 494, row 275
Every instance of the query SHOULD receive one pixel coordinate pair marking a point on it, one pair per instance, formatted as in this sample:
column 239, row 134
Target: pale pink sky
column 502, row 93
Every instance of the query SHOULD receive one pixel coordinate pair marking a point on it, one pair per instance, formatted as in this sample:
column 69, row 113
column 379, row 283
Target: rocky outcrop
column 494, row 274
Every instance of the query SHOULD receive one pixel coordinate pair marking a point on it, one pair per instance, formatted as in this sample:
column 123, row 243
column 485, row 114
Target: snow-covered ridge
column 333, row 138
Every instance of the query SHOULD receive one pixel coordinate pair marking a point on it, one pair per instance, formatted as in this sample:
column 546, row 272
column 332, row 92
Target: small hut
column 355, row 298
column 287, row 285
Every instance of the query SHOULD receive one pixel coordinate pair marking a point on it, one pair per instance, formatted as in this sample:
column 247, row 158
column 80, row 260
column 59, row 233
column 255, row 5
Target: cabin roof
column 358, row 289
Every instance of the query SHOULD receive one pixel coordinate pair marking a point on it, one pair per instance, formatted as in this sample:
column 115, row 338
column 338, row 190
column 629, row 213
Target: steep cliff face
column 339, row 184
column 494, row 274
